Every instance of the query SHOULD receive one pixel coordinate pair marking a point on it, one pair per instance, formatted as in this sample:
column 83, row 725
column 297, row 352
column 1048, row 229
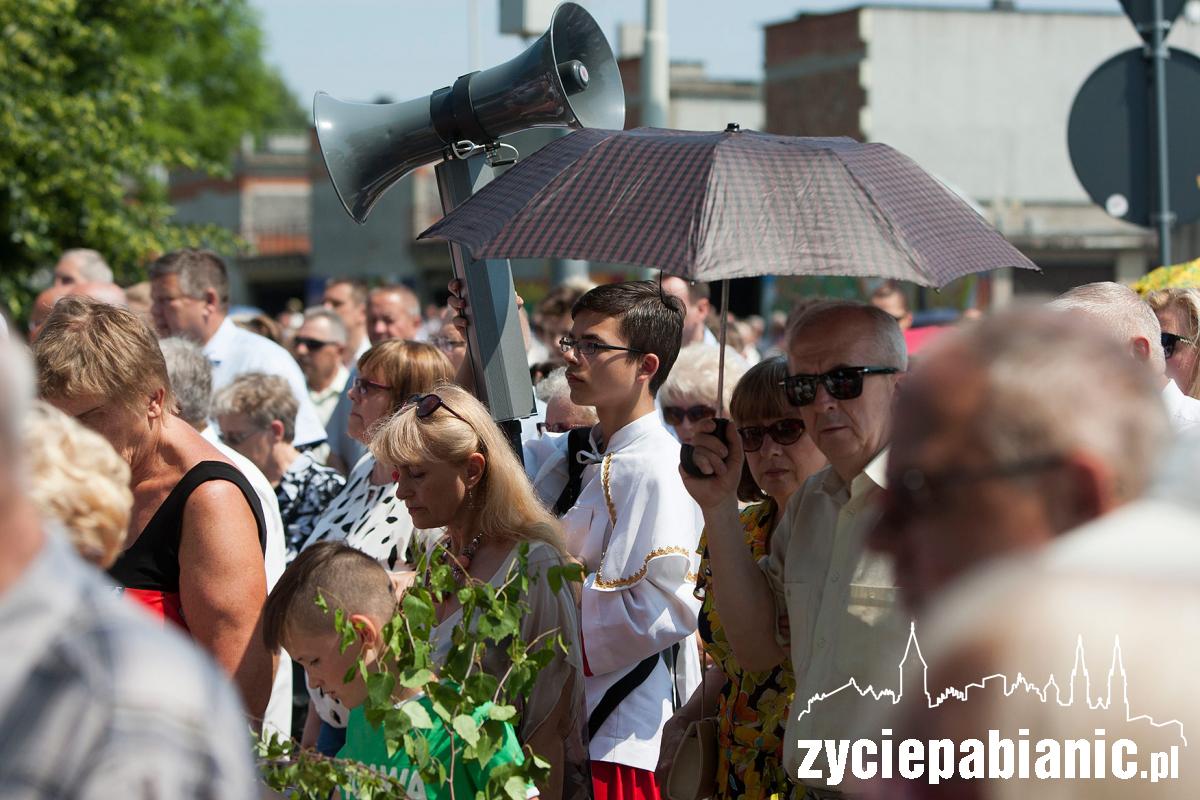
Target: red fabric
column 621, row 782
column 917, row 338
column 162, row 604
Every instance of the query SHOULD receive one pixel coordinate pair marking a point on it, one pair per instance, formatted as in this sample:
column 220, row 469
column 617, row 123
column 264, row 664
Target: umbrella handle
column 687, row 452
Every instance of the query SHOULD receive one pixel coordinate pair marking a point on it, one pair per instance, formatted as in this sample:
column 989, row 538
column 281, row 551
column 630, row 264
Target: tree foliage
column 99, row 99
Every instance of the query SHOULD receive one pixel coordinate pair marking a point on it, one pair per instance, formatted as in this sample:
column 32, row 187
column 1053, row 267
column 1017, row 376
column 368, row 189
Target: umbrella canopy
column 712, row 206
column 1176, row 276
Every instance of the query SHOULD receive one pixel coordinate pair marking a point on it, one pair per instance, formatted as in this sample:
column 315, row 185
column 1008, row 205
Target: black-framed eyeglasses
column 917, row 490
column 843, row 383
column 310, row 344
column 589, row 347
column 782, row 432
column 426, row 404
column 1170, row 340
column 674, row 415
column 361, row 385
column 234, row 439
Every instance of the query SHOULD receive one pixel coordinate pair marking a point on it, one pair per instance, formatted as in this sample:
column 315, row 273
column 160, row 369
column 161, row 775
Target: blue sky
column 361, row 49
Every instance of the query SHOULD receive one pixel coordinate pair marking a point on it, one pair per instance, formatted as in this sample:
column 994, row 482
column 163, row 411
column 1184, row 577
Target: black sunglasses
column 426, row 404
column 1169, row 340
column 310, row 344
column 843, row 383
column 674, row 415
column 588, row 347
column 782, row 432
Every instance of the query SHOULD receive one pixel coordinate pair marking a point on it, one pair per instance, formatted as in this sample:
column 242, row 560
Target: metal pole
column 656, row 75
column 1159, row 54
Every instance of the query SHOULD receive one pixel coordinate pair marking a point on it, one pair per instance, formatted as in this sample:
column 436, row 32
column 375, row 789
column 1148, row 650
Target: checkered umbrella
column 713, row 206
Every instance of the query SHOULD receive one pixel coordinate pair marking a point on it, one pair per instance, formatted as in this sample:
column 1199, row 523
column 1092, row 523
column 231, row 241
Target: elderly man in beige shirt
column 820, row 593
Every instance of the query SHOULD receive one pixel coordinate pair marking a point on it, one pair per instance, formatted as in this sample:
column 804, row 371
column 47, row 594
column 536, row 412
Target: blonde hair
column 78, row 479
column 1188, row 301
column 407, row 367
column 90, row 348
column 506, row 507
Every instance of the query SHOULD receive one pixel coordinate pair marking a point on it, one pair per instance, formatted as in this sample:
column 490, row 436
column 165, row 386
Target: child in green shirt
column 355, row 583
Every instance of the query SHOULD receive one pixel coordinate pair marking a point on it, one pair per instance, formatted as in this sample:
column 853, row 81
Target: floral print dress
column 752, row 710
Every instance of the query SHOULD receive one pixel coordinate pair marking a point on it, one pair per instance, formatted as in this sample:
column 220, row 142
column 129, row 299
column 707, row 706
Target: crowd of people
column 1003, row 487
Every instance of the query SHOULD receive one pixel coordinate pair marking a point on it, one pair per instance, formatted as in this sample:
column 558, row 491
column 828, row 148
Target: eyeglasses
column 588, row 347
column 426, row 404
column 361, row 385
column 310, row 344
column 674, row 414
column 782, row 432
column 843, row 383
column 234, row 439
column 1170, row 340
column 917, row 491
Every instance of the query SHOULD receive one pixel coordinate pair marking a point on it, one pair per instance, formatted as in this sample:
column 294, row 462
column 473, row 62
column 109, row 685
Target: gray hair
column 191, row 379
column 889, row 339
column 1056, row 386
column 337, row 328
column 695, row 375
column 1121, row 311
column 262, row 399
column 198, row 271
column 92, row 265
column 553, row 385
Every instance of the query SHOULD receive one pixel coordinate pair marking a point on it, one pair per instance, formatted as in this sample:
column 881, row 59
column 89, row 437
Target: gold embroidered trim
column 616, row 583
column 605, row 471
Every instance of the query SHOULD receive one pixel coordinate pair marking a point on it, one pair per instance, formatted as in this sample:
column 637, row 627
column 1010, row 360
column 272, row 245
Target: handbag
column 693, row 773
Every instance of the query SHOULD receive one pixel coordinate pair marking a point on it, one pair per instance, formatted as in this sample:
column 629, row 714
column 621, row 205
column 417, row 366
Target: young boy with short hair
column 353, row 582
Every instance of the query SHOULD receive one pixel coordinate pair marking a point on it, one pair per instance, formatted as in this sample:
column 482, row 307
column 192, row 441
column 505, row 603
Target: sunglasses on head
column 674, row 415
column 426, row 404
column 1170, row 340
column 782, row 432
column 843, row 383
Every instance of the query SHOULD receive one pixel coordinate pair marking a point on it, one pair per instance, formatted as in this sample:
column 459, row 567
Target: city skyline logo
column 1079, row 672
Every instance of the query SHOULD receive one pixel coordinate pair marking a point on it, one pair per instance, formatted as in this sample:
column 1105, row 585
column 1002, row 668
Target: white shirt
column 841, row 603
column 1184, row 411
column 278, row 716
column 325, row 400
column 234, row 351
column 641, row 572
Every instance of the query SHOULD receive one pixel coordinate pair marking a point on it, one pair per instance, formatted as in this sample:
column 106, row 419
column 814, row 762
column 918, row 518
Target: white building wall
column 981, row 98
column 713, row 114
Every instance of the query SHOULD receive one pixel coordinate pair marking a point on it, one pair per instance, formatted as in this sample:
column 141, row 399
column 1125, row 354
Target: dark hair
column 344, row 577
column 198, row 271
column 650, row 320
column 758, row 396
column 358, row 288
column 890, row 289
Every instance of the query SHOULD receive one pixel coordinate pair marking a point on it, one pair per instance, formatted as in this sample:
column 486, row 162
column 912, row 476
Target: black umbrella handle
column 687, row 452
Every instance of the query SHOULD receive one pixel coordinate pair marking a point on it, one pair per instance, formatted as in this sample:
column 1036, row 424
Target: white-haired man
column 97, row 701
column 81, row 266
column 1132, row 320
column 837, row 596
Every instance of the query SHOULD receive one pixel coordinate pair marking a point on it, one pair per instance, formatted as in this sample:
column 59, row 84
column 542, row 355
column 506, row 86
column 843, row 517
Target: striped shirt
column 99, row 701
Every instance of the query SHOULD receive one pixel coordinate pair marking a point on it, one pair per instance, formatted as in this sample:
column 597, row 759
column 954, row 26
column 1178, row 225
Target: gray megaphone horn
column 567, row 78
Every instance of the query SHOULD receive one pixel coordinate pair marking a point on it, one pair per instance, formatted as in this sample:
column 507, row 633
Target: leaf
column 417, row 679
column 418, row 715
column 418, row 610
column 515, row 788
column 467, row 728
column 502, row 713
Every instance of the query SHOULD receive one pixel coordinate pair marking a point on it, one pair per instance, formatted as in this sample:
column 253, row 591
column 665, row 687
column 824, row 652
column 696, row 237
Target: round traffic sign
column 1111, row 141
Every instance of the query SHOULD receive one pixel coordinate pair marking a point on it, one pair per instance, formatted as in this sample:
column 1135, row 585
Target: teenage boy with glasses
column 632, row 524
column 820, row 592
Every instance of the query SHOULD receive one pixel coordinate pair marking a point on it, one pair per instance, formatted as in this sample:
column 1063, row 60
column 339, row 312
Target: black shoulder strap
column 577, row 440
column 617, row 693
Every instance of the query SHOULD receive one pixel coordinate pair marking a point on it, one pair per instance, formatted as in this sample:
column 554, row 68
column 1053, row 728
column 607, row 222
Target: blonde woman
column 77, row 479
column 1178, row 312
column 689, row 395
column 456, row 470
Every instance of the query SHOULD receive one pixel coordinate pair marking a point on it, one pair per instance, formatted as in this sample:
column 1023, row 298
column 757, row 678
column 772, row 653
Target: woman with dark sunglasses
column 750, row 706
column 689, row 394
column 1178, row 312
column 455, row 470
